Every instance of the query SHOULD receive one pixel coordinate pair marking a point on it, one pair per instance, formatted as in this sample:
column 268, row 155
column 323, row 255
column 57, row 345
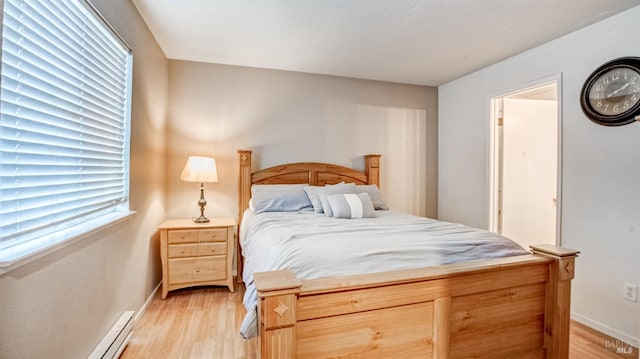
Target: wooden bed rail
column 497, row 308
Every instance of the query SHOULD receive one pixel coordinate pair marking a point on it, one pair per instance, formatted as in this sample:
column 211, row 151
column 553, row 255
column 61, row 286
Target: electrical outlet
column 630, row 292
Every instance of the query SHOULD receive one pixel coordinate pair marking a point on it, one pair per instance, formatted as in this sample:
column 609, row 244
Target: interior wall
column 529, row 175
column 297, row 117
column 601, row 171
column 60, row 306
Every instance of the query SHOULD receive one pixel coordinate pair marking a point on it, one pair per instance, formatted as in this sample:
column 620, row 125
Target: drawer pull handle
column 182, row 251
column 213, row 249
column 182, row 236
column 213, row 236
column 198, row 270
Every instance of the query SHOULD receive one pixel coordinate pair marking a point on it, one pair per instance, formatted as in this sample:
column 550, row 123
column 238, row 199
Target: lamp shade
column 200, row 169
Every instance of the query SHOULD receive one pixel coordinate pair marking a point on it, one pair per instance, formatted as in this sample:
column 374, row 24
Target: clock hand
column 620, row 89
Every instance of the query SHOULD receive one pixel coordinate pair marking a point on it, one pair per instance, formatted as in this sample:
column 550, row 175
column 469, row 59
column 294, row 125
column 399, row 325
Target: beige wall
column 61, row 305
column 289, row 117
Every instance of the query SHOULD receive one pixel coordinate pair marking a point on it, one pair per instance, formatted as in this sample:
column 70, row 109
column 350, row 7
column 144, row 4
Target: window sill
column 20, row 255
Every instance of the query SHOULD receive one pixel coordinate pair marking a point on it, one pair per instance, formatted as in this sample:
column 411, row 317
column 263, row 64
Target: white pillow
column 314, row 197
column 351, row 205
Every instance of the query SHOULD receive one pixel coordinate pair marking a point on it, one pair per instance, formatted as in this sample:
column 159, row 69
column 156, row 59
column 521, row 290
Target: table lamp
column 200, row 169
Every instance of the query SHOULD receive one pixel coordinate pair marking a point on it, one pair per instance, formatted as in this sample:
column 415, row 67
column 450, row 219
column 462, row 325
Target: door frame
column 495, row 149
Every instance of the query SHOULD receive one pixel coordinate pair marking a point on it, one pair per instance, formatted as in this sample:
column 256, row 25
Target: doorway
column 526, row 164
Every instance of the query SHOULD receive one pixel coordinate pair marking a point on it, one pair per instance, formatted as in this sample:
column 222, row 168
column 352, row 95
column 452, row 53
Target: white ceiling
column 424, row 42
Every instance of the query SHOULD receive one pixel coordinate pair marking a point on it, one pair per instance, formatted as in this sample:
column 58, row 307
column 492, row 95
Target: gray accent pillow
column 351, row 205
column 328, row 190
column 376, row 196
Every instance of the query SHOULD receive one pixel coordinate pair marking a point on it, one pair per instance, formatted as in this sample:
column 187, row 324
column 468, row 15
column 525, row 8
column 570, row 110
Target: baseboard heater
column 114, row 342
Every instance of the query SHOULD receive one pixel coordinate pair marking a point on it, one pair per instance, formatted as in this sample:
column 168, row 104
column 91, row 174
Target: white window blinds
column 64, row 125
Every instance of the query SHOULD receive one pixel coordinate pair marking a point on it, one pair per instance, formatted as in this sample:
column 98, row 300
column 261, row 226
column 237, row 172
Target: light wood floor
column 587, row 343
column 192, row 323
column 204, row 322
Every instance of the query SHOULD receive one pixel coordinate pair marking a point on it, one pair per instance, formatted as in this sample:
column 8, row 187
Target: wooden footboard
column 516, row 307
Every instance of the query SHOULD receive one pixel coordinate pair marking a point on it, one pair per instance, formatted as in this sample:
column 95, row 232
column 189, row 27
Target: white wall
column 297, row 117
column 61, row 305
column 601, row 166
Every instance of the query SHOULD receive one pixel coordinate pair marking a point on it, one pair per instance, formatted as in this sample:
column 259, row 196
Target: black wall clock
column 611, row 94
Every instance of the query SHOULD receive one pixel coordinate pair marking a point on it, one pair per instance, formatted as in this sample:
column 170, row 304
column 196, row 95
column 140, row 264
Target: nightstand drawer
column 183, row 250
column 212, row 235
column 212, row 248
column 200, row 269
column 183, row 236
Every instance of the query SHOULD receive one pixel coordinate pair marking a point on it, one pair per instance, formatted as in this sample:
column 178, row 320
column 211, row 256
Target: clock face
column 615, row 91
column 611, row 94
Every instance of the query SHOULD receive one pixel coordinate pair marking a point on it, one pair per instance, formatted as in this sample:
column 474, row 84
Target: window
column 64, row 125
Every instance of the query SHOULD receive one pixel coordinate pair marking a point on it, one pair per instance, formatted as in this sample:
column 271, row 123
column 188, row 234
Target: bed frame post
column 277, row 299
column 244, row 181
column 558, row 299
column 372, row 169
column 441, row 327
column 244, row 194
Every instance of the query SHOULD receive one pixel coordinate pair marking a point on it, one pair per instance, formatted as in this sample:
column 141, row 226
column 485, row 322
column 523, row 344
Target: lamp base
column 201, row 203
column 201, row 219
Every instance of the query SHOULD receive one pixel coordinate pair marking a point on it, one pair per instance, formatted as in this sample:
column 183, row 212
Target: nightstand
column 196, row 254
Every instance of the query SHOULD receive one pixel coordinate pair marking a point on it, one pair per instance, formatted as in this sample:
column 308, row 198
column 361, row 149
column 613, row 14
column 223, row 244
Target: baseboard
column 146, row 304
column 116, row 339
column 605, row 329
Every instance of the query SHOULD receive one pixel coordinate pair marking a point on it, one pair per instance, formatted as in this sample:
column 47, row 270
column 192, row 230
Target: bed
column 509, row 304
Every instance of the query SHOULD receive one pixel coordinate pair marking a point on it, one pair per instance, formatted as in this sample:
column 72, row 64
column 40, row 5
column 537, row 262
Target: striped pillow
column 351, row 205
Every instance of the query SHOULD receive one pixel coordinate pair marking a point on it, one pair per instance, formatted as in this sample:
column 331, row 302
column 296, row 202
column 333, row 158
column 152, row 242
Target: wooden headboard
column 316, row 174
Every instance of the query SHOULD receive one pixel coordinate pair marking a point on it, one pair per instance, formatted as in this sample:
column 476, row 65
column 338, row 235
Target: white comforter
column 314, row 246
